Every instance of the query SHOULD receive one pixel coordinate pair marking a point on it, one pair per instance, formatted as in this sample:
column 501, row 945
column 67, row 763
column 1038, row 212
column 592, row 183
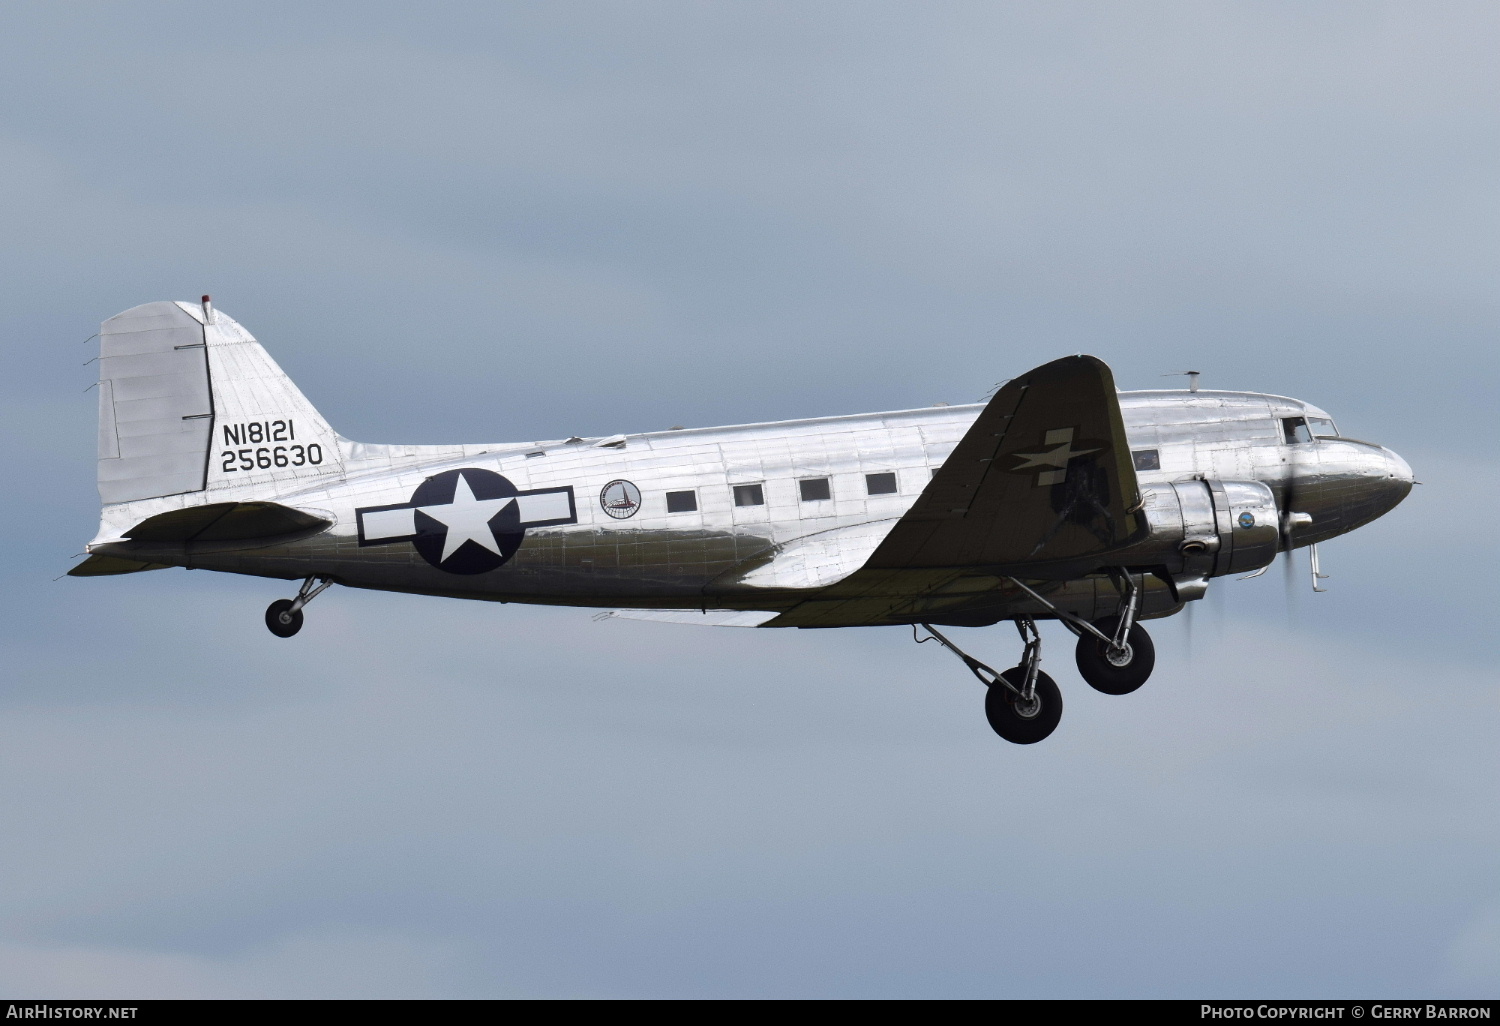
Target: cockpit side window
column 1295, row 430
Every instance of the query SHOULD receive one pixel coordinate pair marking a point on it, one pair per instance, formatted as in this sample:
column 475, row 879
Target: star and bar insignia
column 466, row 521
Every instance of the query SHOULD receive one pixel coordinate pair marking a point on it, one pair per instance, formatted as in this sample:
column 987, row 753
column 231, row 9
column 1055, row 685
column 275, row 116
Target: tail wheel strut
column 284, row 616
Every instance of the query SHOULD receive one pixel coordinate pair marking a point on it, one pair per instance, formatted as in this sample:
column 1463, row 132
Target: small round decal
column 1247, row 519
column 620, row 499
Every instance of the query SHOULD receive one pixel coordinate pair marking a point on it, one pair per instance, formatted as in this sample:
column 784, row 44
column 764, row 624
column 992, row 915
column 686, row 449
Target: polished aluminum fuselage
column 774, row 555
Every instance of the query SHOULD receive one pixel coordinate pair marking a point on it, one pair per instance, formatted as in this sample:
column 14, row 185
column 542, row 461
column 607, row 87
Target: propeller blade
column 1188, row 626
column 1289, row 582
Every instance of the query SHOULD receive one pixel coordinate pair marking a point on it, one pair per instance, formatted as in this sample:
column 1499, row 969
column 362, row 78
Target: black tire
column 1012, row 720
column 281, row 621
column 1115, row 677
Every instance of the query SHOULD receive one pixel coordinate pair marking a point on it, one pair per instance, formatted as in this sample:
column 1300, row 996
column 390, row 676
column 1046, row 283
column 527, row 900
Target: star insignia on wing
column 1052, row 462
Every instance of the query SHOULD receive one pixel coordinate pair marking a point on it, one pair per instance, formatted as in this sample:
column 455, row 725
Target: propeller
column 1291, row 520
column 1289, row 582
column 1188, row 630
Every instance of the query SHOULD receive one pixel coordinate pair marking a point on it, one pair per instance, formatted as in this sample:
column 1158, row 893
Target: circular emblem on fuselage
column 1247, row 519
column 620, row 499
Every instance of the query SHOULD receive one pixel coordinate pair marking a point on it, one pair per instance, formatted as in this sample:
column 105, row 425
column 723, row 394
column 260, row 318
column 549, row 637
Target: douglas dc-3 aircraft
column 1060, row 498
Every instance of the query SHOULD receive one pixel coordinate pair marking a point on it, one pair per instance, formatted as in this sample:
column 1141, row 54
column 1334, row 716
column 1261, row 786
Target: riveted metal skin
column 1211, row 478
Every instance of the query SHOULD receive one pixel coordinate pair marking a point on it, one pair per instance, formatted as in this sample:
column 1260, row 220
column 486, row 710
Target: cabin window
column 880, row 484
column 682, row 502
column 1147, row 459
column 749, row 495
column 1294, row 430
column 814, row 489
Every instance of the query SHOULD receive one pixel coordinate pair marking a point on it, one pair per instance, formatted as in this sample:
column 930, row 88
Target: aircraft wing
column 705, row 617
column 1040, row 486
column 1043, row 476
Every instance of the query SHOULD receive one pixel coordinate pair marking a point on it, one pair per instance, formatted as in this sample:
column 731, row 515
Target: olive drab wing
column 1044, row 475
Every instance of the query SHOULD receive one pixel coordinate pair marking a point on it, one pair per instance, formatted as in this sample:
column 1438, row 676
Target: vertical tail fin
column 155, row 405
column 189, row 403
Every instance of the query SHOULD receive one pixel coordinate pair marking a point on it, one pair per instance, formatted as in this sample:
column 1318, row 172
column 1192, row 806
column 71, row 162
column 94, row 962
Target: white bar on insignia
column 1051, row 477
column 389, row 523
column 544, row 506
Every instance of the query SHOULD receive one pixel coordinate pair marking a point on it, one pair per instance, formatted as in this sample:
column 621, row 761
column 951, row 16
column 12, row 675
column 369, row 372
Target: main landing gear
column 284, row 616
column 1117, row 660
column 1114, row 655
column 1023, row 704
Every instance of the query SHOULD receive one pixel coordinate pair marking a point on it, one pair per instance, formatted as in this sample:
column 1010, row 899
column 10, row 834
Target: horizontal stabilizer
column 704, row 618
column 226, row 522
column 108, row 566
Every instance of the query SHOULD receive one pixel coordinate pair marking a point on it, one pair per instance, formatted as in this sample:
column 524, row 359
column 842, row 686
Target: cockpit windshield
column 1307, row 429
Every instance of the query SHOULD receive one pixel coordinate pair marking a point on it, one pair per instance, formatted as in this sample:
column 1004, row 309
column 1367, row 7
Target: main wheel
column 1018, row 721
column 1117, row 672
column 281, row 620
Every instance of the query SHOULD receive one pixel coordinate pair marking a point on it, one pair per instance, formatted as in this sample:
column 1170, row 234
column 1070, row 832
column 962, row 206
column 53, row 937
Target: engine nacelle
column 1203, row 529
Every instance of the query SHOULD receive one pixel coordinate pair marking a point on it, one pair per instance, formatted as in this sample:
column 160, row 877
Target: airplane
column 1061, row 498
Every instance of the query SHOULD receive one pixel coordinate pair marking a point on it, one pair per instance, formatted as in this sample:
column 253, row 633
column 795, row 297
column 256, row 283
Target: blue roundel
column 464, row 525
column 1247, row 519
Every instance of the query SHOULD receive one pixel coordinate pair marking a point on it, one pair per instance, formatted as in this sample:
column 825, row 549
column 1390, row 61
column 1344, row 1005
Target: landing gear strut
column 1023, row 704
column 1117, row 666
column 1117, row 656
column 284, row 616
column 1114, row 655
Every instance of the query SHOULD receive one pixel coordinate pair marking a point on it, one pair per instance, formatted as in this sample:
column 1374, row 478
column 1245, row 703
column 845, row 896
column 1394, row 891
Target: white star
column 1058, row 457
column 467, row 518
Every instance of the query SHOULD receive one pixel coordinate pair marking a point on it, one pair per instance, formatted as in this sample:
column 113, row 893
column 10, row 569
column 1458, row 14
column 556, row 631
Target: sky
column 514, row 221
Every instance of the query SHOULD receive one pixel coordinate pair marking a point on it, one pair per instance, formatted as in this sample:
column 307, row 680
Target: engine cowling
column 1202, row 529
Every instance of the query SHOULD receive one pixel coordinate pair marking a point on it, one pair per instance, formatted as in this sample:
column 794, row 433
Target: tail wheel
column 1020, row 721
column 282, row 620
column 1111, row 670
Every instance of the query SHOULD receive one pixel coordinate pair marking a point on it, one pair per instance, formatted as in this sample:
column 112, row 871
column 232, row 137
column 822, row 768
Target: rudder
column 155, row 404
column 189, row 402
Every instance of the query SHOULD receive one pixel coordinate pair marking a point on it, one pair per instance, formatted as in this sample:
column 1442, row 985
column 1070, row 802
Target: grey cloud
column 607, row 795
